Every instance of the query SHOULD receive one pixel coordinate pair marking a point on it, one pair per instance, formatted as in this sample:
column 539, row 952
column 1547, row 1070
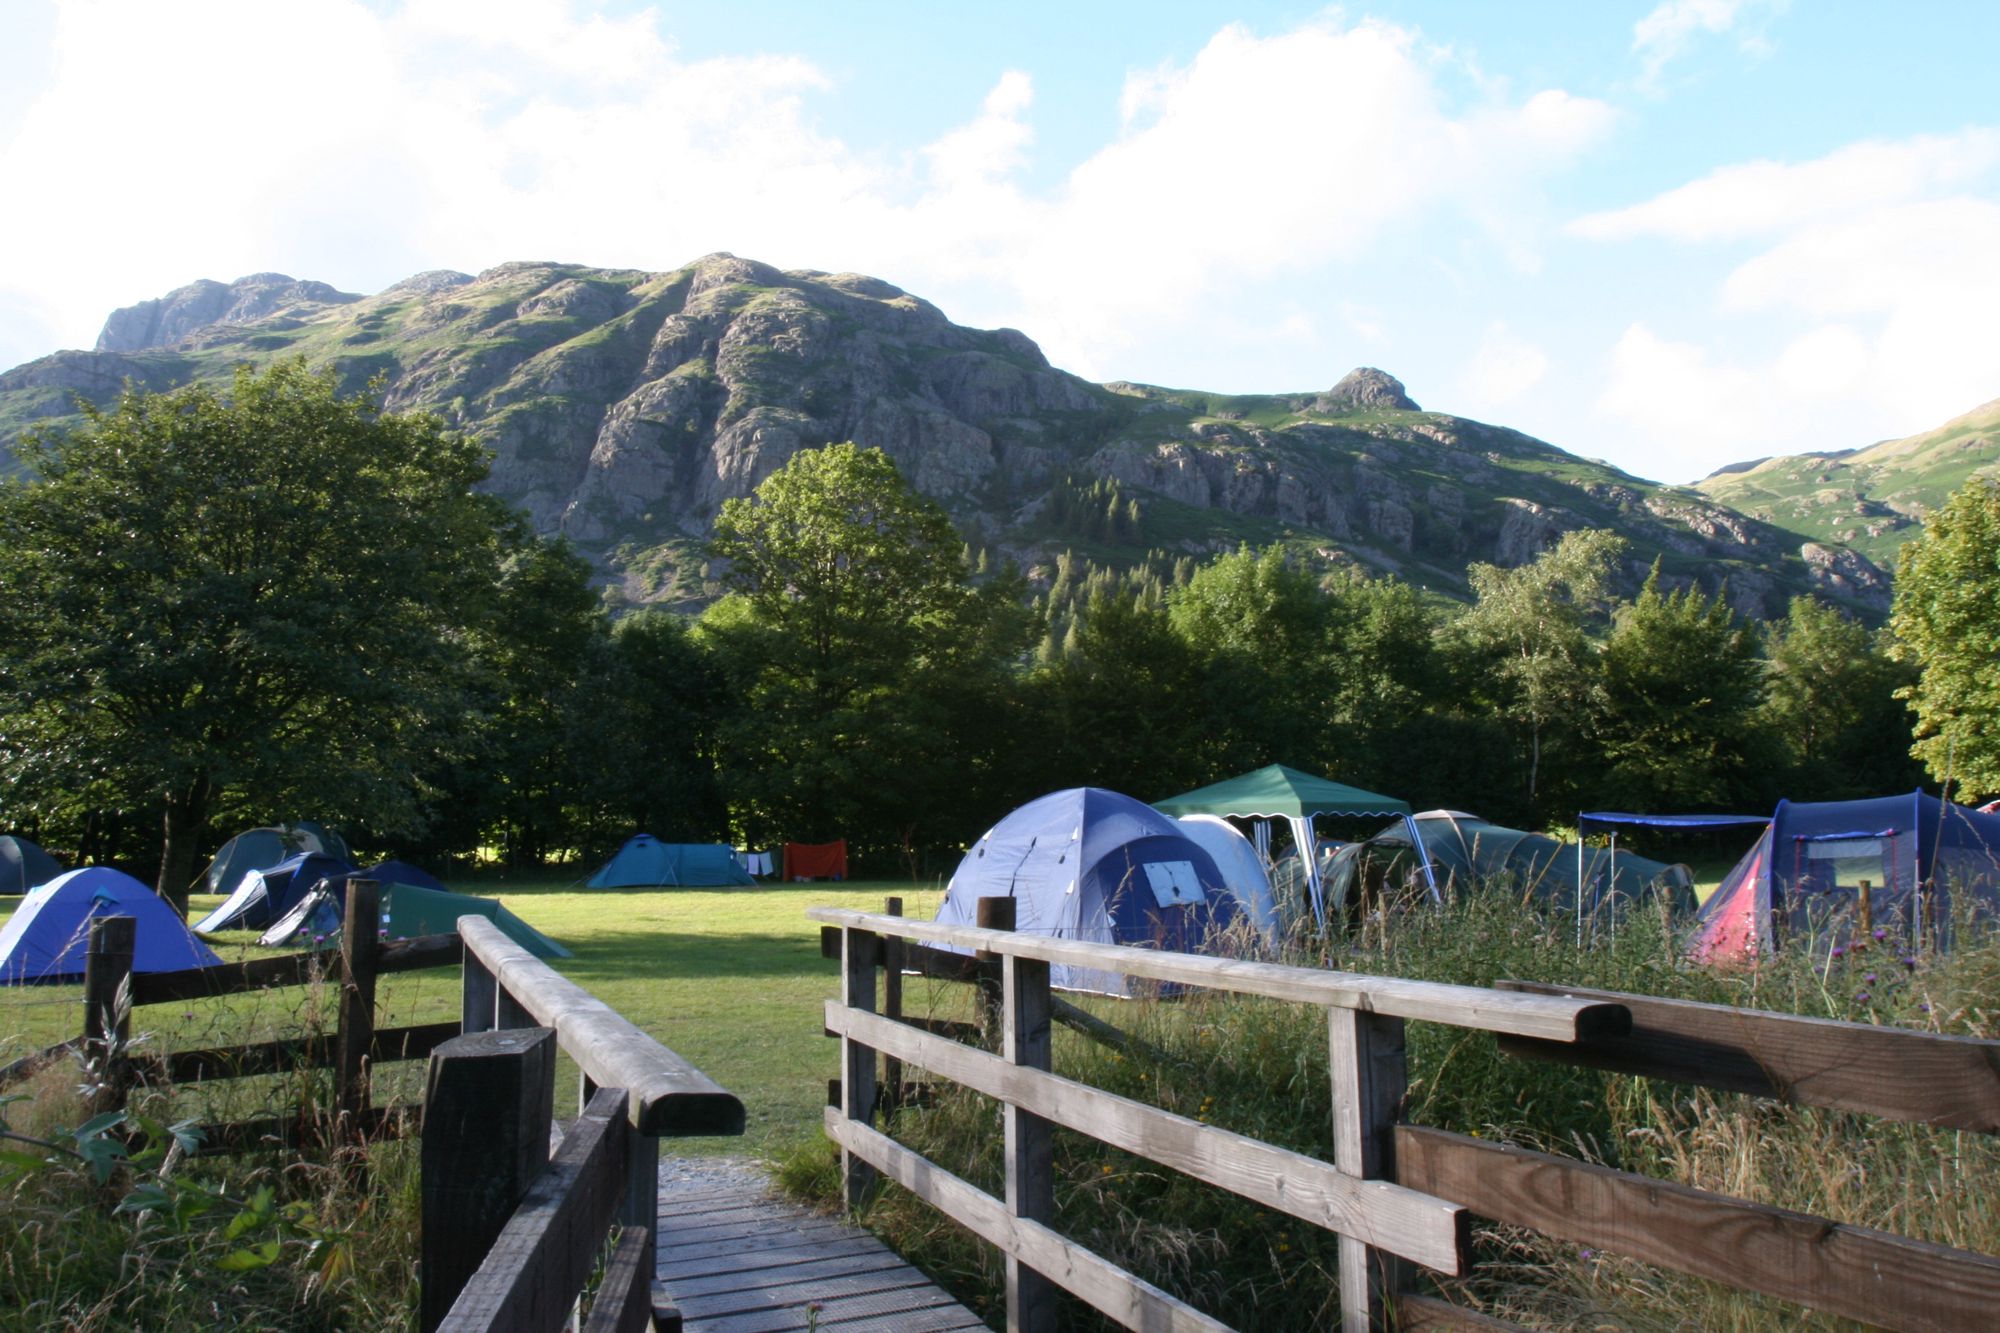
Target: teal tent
column 646, row 862
column 409, row 912
column 1277, row 792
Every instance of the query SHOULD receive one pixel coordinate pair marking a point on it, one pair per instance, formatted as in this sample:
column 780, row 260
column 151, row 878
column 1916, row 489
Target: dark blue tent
column 1090, row 864
column 47, row 937
column 24, row 866
column 1926, row 863
column 265, row 895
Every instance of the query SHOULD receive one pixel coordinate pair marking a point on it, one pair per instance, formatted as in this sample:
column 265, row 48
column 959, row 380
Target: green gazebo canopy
column 1277, row 792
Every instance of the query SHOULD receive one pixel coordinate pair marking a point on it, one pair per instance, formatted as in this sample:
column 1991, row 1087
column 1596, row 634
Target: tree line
column 220, row 609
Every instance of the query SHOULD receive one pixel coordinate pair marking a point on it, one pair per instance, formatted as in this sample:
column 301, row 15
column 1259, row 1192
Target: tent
column 261, row 848
column 47, row 937
column 265, row 895
column 310, row 913
column 1473, row 854
column 646, row 862
column 1091, row 864
column 1278, row 792
column 23, row 865
column 1924, row 862
column 408, row 912
column 1242, row 869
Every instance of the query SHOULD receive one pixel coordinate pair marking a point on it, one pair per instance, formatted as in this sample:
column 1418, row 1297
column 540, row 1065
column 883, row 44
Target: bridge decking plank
column 735, row 1258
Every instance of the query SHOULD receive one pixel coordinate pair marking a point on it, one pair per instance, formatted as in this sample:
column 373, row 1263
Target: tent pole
column 1423, row 859
column 1579, row 879
column 1304, row 838
column 1611, row 888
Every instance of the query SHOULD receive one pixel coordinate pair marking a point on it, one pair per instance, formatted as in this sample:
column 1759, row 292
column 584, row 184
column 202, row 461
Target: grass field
column 731, row 979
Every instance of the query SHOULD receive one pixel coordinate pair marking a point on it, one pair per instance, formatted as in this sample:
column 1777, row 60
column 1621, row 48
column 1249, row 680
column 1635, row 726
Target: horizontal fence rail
column 1399, row 1194
column 510, row 1234
column 1382, row 1224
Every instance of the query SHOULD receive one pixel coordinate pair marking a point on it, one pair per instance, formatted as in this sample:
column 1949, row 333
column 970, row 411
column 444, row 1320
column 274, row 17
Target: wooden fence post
column 992, row 914
column 892, row 1006
column 1030, row 1145
column 860, row 951
column 479, row 990
column 107, row 970
column 488, row 1101
column 360, row 947
column 1370, row 1076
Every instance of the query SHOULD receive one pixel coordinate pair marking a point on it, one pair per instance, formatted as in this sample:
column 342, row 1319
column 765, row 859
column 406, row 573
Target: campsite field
column 730, row 978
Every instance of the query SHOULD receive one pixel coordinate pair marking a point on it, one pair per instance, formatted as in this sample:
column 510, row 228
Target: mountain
column 624, row 407
column 1871, row 500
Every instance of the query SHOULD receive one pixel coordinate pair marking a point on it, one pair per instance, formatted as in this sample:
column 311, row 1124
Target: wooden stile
column 1426, row 1230
column 1873, row 1276
column 1925, row 1077
column 530, row 1279
column 1551, row 1017
column 488, row 1101
column 668, row 1095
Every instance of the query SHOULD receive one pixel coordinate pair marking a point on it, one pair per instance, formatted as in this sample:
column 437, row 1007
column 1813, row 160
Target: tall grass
column 1259, row 1067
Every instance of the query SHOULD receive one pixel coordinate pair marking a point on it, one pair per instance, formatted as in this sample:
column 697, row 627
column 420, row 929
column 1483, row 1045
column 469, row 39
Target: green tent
column 408, row 912
column 1277, row 792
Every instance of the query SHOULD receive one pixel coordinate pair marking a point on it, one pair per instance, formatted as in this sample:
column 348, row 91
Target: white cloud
column 453, row 133
column 1671, row 29
column 1504, row 367
column 1682, row 408
column 1761, row 198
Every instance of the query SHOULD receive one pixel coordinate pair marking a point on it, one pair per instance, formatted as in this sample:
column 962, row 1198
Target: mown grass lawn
column 732, row 979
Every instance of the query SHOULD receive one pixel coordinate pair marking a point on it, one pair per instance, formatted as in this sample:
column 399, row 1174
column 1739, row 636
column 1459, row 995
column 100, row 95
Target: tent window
column 1174, row 883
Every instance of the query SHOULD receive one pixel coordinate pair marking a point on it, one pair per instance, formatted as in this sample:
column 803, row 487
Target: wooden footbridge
column 513, row 1233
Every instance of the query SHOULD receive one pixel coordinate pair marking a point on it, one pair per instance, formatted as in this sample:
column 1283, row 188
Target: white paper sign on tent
column 1174, row 883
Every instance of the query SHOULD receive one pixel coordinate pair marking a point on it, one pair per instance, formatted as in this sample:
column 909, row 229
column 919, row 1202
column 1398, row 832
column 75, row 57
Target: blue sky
column 1671, row 234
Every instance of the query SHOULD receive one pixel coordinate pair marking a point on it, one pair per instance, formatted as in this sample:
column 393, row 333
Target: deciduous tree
column 1947, row 621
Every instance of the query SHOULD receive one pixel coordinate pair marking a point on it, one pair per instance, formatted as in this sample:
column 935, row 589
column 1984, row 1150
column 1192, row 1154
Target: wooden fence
column 1396, row 1194
column 111, row 990
column 511, row 1234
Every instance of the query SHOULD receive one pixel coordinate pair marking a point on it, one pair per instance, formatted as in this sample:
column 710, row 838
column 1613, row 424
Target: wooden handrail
column 1552, row 1018
column 1924, row 1077
column 668, row 1095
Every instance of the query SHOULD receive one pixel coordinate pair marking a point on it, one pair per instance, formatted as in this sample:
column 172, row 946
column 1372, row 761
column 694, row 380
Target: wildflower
column 1840, row 951
column 1105, row 1168
column 1861, row 996
column 1586, row 1253
column 1881, row 934
column 1910, row 961
column 1869, row 977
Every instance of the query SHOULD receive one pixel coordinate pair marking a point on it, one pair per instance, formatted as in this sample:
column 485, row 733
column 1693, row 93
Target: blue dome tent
column 1094, row 865
column 47, row 938
column 265, row 895
column 24, row 866
column 645, row 862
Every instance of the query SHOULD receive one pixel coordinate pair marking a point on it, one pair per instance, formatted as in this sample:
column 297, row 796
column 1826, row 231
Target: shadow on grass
column 622, row 955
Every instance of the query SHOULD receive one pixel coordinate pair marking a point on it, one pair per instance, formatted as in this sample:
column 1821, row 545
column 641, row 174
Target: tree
column 256, row 598
column 848, row 593
column 1528, row 628
column 1947, row 621
column 1831, row 707
column 1677, row 692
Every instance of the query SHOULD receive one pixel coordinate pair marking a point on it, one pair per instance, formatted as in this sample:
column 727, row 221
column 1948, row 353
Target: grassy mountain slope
column 624, row 407
column 1872, row 500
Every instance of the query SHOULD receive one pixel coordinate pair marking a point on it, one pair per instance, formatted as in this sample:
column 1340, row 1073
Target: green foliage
column 258, row 598
column 1528, row 632
column 1831, row 706
column 1678, row 686
column 1947, row 621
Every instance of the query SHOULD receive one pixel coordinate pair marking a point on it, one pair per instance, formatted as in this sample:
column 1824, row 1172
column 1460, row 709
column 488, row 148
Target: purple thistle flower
column 1861, row 996
column 1924, row 1008
column 1869, row 977
column 1881, row 934
column 1840, row 951
column 1910, row 961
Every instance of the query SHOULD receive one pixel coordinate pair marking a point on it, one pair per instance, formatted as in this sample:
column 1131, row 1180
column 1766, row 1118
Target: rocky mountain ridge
column 623, row 407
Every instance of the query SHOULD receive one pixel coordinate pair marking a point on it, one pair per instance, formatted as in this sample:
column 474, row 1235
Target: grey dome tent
column 24, row 866
column 262, row 848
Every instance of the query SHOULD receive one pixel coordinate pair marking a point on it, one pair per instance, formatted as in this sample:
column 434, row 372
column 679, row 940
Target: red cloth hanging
column 816, row 860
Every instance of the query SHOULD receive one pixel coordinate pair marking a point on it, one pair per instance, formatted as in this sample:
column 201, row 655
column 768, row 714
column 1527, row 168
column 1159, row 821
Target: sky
column 1672, row 234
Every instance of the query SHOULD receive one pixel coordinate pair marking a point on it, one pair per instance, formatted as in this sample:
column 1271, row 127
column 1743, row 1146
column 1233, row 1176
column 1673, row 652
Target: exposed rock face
column 1365, row 387
column 623, row 408
column 201, row 305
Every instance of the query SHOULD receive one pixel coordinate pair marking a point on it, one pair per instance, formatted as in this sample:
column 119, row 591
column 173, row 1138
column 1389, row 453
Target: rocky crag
column 624, row 407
